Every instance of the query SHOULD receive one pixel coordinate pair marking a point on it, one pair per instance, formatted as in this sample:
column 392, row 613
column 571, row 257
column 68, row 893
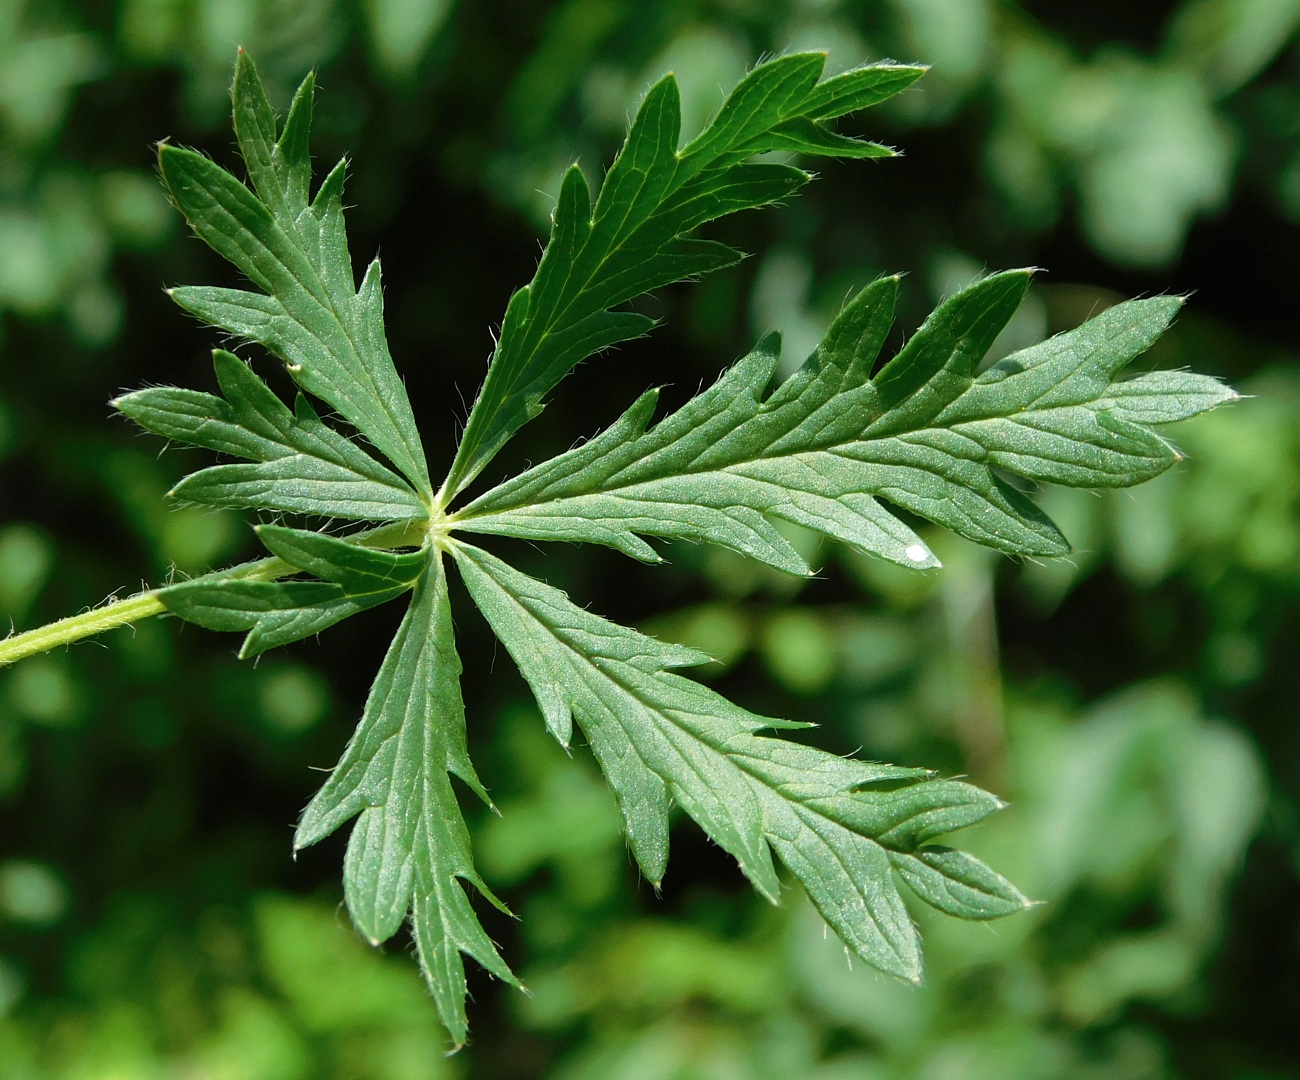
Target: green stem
column 117, row 613
column 142, row 605
column 76, row 627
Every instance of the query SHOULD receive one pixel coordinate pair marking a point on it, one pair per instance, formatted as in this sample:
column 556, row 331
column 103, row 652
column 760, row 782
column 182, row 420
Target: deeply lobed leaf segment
column 637, row 236
column 832, row 448
column 928, row 434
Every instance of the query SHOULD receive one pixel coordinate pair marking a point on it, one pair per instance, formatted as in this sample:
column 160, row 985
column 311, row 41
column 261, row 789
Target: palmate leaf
column 838, row 824
column 928, row 434
column 635, row 239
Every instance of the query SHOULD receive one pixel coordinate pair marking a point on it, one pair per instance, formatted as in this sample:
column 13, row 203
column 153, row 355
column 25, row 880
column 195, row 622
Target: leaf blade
column 958, row 884
column 275, row 613
column 299, row 464
column 309, row 313
column 634, row 240
column 409, row 850
column 826, row 817
column 826, row 449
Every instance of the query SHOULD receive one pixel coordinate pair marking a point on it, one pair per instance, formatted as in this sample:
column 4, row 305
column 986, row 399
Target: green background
column 1134, row 702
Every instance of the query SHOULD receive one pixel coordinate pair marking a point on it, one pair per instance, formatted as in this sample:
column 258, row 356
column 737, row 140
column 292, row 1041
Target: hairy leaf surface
column 309, row 312
column 409, row 849
column 662, row 738
column 929, row 433
column 352, row 579
column 298, row 463
column 636, row 237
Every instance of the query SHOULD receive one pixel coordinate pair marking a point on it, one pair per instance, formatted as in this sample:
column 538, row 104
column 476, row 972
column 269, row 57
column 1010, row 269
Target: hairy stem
column 117, row 613
column 75, row 627
column 142, row 605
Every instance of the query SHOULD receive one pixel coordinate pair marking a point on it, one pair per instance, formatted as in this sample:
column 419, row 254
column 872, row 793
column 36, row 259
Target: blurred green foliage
column 1134, row 702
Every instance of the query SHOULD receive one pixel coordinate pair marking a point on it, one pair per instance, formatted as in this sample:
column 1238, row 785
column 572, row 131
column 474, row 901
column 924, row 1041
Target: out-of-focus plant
column 58, row 224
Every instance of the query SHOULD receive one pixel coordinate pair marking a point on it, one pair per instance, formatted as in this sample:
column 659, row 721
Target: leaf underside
column 663, row 739
column 831, row 448
column 409, row 850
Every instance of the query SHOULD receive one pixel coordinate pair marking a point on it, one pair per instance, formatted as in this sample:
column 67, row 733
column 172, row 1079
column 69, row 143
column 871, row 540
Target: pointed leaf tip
column 653, row 198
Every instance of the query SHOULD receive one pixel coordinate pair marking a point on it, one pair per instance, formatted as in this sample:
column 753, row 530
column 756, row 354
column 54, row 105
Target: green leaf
column 1163, row 397
column 344, row 561
column 661, row 738
column 860, row 88
column 301, row 465
column 636, row 238
column 409, row 849
column 309, row 311
column 274, row 613
column 929, row 433
column 277, row 612
column 805, row 136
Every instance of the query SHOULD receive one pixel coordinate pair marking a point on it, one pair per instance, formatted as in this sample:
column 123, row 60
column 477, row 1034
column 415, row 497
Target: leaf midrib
column 590, row 664
column 316, row 288
column 834, row 449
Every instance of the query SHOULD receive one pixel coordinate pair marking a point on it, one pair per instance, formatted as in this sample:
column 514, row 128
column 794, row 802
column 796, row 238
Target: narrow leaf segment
column 348, row 578
column 838, row 824
column 929, row 434
column 298, row 463
column 637, row 236
column 409, row 850
column 308, row 312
